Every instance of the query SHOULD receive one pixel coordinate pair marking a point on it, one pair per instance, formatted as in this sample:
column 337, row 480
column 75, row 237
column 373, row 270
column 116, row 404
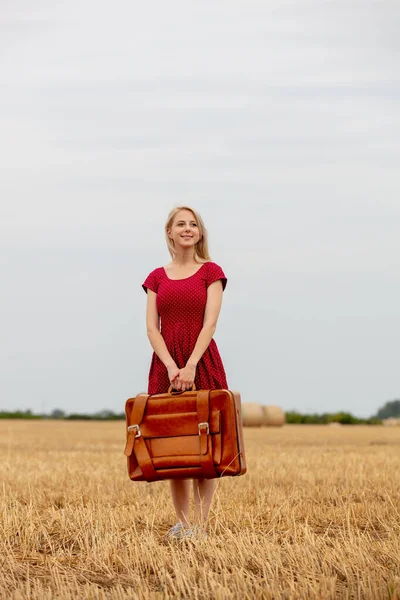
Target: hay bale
column 334, row 424
column 252, row 414
column 391, row 422
column 273, row 416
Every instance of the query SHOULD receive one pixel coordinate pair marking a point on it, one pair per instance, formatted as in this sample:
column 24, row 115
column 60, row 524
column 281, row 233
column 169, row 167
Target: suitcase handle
column 176, row 392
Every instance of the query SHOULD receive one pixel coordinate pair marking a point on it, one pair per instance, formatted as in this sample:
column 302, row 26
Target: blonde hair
column 201, row 253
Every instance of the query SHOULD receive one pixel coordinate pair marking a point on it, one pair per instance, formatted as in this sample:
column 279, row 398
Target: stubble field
column 317, row 516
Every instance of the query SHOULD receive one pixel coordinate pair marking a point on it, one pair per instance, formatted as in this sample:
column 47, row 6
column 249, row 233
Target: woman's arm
column 211, row 314
column 153, row 331
column 214, row 302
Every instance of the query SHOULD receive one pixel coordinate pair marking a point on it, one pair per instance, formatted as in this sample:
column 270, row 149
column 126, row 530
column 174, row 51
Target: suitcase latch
column 206, row 425
column 133, row 428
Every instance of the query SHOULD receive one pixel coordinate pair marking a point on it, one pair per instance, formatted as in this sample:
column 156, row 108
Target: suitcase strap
column 203, row 415
column 136, row 440
column 133, row 429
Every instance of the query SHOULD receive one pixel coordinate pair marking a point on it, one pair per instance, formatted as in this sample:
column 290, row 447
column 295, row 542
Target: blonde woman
column 185, row 297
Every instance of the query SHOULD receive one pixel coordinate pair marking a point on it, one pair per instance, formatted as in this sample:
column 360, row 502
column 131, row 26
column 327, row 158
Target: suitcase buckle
column 132, row 428
column 206, row 425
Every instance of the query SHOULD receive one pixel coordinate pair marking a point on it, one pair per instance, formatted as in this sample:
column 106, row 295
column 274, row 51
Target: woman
column 185, row 297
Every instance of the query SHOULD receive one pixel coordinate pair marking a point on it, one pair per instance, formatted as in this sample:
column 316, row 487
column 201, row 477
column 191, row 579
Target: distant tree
column 107, row 415
column 57, row 413
column 103, row 415
column 390, row 409
column 347, row 419
column 79, row 417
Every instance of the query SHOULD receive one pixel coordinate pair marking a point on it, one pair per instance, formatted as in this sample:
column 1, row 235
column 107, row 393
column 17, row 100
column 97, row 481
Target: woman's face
column 184, row 230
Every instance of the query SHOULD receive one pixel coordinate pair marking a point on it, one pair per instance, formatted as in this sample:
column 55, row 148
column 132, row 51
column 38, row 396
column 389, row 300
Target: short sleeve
column 214, row 272
column 151, row 281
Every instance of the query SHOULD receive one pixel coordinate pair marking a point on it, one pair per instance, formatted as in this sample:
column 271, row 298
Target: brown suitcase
column 179, row 435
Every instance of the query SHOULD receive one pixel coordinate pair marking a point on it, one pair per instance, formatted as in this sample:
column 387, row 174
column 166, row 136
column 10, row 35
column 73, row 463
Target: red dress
column 181, row 304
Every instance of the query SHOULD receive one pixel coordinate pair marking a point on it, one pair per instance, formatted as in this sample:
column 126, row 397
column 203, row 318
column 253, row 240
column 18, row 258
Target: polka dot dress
column 181, row 304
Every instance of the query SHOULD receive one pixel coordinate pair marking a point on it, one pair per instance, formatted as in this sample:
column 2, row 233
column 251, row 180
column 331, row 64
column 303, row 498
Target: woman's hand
column 185, row 379
column 173, row 372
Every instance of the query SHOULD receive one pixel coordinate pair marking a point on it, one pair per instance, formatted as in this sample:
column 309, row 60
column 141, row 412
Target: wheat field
column 316, row 516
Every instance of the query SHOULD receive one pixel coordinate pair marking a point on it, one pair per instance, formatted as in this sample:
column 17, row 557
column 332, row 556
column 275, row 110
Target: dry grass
column 316, row 516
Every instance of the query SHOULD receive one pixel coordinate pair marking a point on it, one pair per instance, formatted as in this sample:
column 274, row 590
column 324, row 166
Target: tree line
column 344, row 418
column 103, row 415
column 390, row 409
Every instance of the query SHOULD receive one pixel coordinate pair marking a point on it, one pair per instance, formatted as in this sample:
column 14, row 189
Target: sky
column 278, row 121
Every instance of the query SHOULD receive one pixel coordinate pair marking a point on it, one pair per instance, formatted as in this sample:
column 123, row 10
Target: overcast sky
column 279, row 121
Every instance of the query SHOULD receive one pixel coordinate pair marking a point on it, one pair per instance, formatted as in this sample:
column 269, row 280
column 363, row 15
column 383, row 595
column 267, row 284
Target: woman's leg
column 203, row 493
column 180, row 489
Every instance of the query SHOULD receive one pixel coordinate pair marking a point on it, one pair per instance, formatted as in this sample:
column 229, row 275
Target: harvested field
column 316, row 517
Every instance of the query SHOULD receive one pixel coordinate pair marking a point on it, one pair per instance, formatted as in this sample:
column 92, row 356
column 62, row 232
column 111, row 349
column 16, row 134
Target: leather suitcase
column 179, row 435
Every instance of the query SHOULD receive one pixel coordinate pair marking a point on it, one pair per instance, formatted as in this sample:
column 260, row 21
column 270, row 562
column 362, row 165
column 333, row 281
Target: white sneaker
column 177, row 532
column 195, row 533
